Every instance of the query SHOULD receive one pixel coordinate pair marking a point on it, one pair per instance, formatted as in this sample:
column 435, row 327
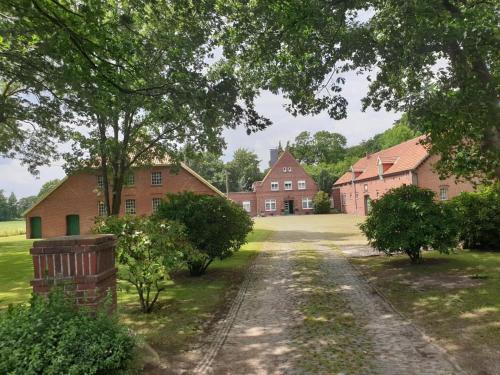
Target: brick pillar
column 84, row 265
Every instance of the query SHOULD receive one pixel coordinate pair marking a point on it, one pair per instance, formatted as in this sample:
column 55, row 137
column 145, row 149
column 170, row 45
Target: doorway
column 36, row 227
column 72, row 225
column 289, row 209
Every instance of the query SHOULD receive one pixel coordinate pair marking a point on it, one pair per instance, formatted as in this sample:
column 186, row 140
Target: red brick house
column 73, row 205
column 372, row 176
column 286, row 189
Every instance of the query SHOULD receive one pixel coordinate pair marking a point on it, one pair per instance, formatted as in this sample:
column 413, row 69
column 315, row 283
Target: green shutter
column 36, row 227
column 72, row 225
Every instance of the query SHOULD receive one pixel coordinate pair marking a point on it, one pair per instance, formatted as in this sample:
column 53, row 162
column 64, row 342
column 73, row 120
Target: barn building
column 285, row 190
column 408, row 163
column 73, row 205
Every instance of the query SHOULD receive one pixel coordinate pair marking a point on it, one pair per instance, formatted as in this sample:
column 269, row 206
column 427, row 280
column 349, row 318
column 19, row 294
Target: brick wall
column 245, row 196
column 84, row 266
column 79, row 195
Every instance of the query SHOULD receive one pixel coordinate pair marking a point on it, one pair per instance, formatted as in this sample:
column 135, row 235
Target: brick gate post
column 84, row 265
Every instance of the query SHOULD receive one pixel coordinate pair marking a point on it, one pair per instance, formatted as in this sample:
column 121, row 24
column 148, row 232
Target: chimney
column 274, row 154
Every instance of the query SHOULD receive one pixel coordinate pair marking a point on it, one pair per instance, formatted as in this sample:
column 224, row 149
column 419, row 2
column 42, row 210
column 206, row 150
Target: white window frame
column 100, row 181
column 101, row 209
column 289, row 169
column 130, row 207
column 155, row 203
column 284, row 169
column 301, row 184
column 247, row 206
column 288, row 182
column 275, row 186
column 270, row 205
column 443, row 193
column 155, row 181
column 365, row 187
column 307, row 203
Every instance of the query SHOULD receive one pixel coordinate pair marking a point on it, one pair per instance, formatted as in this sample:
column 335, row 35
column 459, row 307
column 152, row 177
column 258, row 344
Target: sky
column 357, row 127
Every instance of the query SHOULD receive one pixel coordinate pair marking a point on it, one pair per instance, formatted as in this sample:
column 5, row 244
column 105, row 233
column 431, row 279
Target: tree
column 136, row 78
column 12, row 206
column 210, row 167
column 408, row 219
column 436, row 60
column 149, row 249
column 321, row 203
column 322, row 147
column 243, row 170
column 26, row 203
column 216, row 226
column 48, row 187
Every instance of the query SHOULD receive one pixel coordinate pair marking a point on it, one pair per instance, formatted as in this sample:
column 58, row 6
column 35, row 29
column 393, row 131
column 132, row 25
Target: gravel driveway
column 259, row 335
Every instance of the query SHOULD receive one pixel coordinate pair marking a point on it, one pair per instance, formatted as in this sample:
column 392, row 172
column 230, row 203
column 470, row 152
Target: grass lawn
column 16, row 270
column 12, row 228
column 455, row 298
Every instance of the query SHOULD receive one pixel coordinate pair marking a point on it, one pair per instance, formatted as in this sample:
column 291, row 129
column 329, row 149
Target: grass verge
column 330, row 340
column 12, row 228
column 455, row 298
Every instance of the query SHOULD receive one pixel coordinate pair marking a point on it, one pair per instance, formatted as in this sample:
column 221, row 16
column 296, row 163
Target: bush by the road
column 321, row 203
column 408, row 219
column 216, row 227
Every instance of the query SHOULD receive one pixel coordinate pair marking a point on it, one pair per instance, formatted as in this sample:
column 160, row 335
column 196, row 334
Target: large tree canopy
column 139, row 79
column 321, row 147
column 437, row 60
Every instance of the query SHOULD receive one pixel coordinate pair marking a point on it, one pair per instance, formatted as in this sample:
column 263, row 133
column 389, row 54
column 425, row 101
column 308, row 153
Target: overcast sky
column 357, row 127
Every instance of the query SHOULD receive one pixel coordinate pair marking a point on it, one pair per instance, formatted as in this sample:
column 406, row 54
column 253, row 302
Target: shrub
column 150, row 249
column 51, row 336
column 479, row 217
column 408, row 219
column 216, row 227
column 321, row 203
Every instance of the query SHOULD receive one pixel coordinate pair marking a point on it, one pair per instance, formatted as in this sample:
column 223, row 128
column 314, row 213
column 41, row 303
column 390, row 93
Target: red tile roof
column 403, row 157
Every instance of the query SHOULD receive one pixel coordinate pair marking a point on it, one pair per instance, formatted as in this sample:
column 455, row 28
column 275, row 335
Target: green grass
column 16, row 270
column 12, row 228
column 455, row 298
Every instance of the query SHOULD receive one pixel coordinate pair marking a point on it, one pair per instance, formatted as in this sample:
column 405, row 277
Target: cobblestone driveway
column 255, row 337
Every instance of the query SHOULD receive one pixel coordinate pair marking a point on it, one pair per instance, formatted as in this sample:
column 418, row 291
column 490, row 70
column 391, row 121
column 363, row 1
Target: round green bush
column 216, row 227
column 408, row 219
column 321, row 203
column 479, row 217
column 50, row 336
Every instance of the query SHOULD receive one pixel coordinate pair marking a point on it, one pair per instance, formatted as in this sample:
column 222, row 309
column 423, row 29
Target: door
column 72, row 225
column 290, row 207
column 368, row 204
column 36, row 227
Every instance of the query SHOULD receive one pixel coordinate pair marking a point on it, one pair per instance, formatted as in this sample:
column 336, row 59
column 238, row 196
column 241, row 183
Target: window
column 101, row 209
column 289, row 169
column 247, row 206
column 130, row 206
column 307, row 203
column 275, row 186
column 284, row 169
column 270, row 204
column 380, row 169
column 100, row 182
column 155, row 203
column 288, row 185
column 365, row 187
column 155, row 178
column 343, row 199
column 301, row 185
column 443, row 193
column 130, row 179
